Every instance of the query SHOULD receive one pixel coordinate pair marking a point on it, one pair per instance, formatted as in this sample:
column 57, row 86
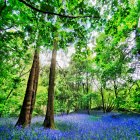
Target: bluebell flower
column 76, row 127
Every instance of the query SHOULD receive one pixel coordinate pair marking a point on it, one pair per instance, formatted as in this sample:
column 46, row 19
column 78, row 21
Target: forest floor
column 76, row 126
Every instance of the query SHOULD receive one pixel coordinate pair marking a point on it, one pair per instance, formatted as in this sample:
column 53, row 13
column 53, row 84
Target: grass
column 75, row 127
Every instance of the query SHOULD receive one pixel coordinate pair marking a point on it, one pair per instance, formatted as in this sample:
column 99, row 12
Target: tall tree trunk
column 49, row 118
column 29, row 99
column 34, row 88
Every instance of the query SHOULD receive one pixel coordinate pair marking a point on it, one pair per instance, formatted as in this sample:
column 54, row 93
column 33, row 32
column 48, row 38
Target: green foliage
column 22, row 29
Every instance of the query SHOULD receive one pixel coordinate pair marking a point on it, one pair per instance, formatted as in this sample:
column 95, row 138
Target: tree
column 30, row 95
column 65, row 39
column 49, row 118
column 113, row 55
column 14, row 53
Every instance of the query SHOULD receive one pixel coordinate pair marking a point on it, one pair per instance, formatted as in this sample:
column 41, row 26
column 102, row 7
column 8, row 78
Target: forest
column 69, row 70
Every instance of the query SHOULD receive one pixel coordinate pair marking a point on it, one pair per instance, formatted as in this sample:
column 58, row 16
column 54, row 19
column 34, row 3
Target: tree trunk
column 102, row 95
column 49, row 118
column 116, row 94
column 87, row 90
column 34, row 88
column 29, row 99
column 90, row 102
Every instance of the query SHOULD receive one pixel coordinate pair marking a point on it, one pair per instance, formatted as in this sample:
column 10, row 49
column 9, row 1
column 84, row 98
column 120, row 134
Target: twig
column 1, row 30
column 25, row 73
column 15, row 84
column 57, row 14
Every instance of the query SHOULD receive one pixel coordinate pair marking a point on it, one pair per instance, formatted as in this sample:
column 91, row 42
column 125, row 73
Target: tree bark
column 116, row 93
column 49, row 118
column 103, row 102
column 87, row 90
column 29, row 99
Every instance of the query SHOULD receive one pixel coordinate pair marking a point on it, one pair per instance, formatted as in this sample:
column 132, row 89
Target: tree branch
column 3, row 30
column 25, row 73
column 16, row 83
column 57, row 14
